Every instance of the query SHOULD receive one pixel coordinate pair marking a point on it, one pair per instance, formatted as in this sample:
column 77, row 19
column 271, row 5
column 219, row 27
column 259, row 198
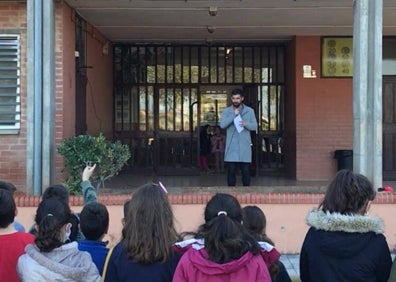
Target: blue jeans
column 231, row 173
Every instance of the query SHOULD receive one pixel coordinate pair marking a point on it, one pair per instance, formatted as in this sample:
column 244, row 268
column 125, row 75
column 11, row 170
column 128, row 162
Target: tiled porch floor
column 127, row 182
column 292, row 265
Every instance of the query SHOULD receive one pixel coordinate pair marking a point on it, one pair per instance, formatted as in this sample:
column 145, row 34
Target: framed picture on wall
column 337, row 57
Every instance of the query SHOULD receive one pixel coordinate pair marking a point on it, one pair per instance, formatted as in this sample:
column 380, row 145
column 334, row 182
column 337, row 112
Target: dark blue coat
column 344, row 248
column 120, row 268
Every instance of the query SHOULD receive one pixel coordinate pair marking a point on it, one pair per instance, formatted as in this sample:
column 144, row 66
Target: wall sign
column 337, row 57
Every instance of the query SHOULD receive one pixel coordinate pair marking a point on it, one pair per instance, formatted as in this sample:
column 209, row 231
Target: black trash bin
column 344, row 159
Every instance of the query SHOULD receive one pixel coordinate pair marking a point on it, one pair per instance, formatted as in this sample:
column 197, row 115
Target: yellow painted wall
column 285, row 223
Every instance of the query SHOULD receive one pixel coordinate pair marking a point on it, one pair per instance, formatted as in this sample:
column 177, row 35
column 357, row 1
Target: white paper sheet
column 237, row 123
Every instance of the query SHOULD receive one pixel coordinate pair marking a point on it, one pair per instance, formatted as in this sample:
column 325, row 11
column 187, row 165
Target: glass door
column 176, row 118
column 212, row 104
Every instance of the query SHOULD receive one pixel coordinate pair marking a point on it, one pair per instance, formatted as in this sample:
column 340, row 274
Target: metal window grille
column 10, row 100
column 139, row 68
column 163, row 93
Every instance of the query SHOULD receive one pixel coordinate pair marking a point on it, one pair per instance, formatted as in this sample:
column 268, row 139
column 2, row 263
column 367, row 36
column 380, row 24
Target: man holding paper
column 238, row 119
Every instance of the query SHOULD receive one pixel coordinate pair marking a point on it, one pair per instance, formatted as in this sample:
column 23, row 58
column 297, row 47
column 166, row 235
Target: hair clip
column 221, row 212
column 162, row 187
column 50, row 214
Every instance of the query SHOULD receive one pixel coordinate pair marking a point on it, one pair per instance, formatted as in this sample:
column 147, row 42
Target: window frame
column 14, row 41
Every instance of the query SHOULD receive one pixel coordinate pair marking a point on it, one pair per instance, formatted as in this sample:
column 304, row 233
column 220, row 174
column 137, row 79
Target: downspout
column 30, row 86
column 38, row 96
column 48, row 113
column 375, row 62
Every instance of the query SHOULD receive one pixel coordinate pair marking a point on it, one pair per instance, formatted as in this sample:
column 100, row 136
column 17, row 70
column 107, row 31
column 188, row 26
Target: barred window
column 10, row 103
column 155, row 85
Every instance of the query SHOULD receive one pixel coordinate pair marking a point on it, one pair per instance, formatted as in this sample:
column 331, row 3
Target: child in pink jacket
column 223, row 250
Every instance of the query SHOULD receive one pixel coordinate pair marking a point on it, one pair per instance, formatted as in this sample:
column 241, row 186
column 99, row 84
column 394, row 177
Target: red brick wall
column 13, row 147
column 64, row 80
column 324, row 114
column 67, row 82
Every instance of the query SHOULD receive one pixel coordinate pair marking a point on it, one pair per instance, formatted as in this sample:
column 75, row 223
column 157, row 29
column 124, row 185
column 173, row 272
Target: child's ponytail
column 225, row 237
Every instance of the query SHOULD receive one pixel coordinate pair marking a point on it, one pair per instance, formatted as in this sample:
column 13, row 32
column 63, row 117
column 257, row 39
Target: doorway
column 267, row 140
column 164, row 93
column 212, row 101
column 175, row 121
column 389, row 127
column 81, row 77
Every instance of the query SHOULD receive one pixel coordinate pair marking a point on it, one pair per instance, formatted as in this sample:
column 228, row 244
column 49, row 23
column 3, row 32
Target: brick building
column 305, row 111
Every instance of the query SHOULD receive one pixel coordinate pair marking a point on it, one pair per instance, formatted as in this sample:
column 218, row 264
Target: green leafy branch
column 83, row 150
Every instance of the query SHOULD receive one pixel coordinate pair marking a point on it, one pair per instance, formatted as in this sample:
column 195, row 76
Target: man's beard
column 236, row 104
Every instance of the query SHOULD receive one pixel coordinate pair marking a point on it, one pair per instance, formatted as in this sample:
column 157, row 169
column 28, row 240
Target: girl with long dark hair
column 145, row 251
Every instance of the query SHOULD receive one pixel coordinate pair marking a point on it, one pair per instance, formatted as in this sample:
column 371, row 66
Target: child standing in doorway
column 204, row 147
column 218, row 142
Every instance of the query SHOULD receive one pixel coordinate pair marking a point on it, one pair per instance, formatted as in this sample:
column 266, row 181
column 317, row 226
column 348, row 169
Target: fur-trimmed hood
column 327, row 221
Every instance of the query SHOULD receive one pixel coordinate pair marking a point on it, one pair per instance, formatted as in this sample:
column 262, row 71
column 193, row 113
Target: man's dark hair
column 237, row 91
column 7, row 210
column 94, row 221
column 8, row 186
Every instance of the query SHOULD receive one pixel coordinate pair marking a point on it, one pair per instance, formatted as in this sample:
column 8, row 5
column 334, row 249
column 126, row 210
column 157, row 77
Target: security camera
column 213, row 11
column 211, row 28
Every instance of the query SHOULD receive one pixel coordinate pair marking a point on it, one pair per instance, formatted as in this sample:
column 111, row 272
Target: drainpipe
column 48, row 122
column 30, row 82
column 38, row 97
column 375, row 91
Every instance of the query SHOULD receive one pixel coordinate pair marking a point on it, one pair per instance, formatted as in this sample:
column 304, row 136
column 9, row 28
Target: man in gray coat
column 239, row 120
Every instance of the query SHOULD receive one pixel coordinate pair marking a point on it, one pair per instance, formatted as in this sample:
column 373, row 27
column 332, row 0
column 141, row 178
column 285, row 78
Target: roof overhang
column 201, row 21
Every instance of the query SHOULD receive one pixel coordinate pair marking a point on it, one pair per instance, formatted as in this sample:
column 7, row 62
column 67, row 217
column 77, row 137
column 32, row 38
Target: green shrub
column 83, row 150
